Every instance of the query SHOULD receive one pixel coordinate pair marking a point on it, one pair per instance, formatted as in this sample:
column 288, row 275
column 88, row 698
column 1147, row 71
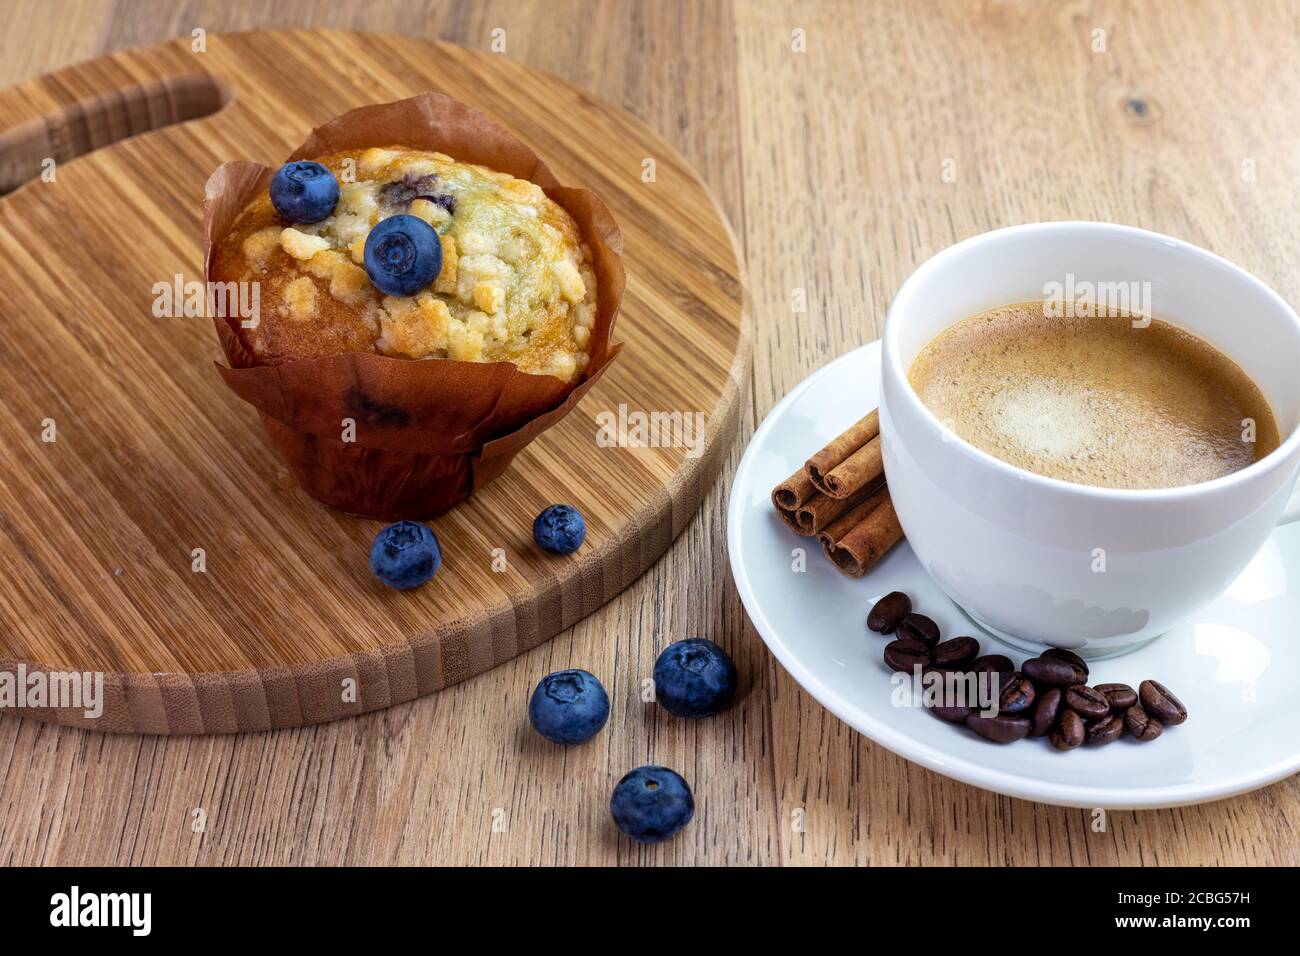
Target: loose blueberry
column 568, row 707
column 405, row 555
column 560, row 529
column 650, row 804
column 403, row 255
column 694, row 678
column 304, row 192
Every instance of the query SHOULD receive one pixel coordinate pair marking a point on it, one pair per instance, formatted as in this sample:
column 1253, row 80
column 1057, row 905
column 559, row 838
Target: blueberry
column 405, row 555
column 401, row 192
column 403, row 255
column 694, row 678
column 568, row 707
column 560, row 529
column 650, row 804
column 304, row 192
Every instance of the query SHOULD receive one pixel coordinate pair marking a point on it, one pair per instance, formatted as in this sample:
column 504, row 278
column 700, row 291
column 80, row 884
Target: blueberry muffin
column 412, row 254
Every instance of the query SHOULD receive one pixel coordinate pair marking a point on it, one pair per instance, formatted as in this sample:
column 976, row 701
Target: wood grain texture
column 282, row 623
column 830, row 165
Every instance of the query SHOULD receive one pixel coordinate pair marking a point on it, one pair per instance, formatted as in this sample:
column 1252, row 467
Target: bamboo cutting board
column 148, row 529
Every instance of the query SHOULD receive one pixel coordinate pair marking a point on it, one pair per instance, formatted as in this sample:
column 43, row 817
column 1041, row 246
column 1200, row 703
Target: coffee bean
column 945, row 686
column 992, row 664
column 1054, row 670
column 944, row 672
column 1087, row 702
column 918, row 627
column 1104, row 731
column 1069, row 733
column 1141, row 724
column 1160, row 702
column 1121, row 696
column 935, row 668
column 957, row 652
column 1048, row 697
column 954, row 715
column 904, row 655
column 1017, row 696
column 1002, row 729
column 888, row 611
column 997, row 666
column 1046, row 710
column 1068, row 655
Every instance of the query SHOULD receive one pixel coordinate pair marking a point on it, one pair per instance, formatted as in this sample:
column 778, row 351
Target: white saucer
column 1236, row 665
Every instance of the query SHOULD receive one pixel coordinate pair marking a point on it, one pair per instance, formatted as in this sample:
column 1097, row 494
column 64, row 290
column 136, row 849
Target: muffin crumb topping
column 516, row 283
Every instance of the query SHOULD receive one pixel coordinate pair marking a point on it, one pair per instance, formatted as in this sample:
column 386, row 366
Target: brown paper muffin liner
column 428, row 433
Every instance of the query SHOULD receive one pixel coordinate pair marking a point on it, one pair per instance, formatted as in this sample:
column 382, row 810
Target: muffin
column 429, row 300
column 516, row 282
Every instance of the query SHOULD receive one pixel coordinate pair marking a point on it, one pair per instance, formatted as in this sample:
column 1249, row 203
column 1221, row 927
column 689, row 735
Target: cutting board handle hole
column 88, row 124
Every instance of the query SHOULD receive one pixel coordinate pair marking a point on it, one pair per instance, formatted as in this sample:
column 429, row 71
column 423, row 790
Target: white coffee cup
column 1036, row 560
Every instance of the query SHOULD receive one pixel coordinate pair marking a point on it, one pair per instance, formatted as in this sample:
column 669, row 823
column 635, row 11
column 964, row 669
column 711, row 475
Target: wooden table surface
column 845, row 154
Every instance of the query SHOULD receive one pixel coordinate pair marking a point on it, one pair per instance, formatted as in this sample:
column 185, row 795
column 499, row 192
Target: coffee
column 1047, row 697
column 1095, row 400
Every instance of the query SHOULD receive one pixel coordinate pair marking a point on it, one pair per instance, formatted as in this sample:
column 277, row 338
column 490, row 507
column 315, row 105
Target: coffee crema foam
column 1093, row 399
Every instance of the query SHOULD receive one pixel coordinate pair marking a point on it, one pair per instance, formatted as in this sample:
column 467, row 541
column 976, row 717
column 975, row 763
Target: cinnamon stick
column 834, row 532
column 790, row 518
column 840, row 450
column 857, row 551
column 861, row 468
column 819, row 511
column 793, row 492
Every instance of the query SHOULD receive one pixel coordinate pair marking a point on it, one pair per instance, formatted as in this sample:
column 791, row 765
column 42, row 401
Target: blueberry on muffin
column 420, row 257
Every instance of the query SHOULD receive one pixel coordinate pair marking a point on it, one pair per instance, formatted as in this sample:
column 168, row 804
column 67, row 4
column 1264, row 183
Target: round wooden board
column 153, row 459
